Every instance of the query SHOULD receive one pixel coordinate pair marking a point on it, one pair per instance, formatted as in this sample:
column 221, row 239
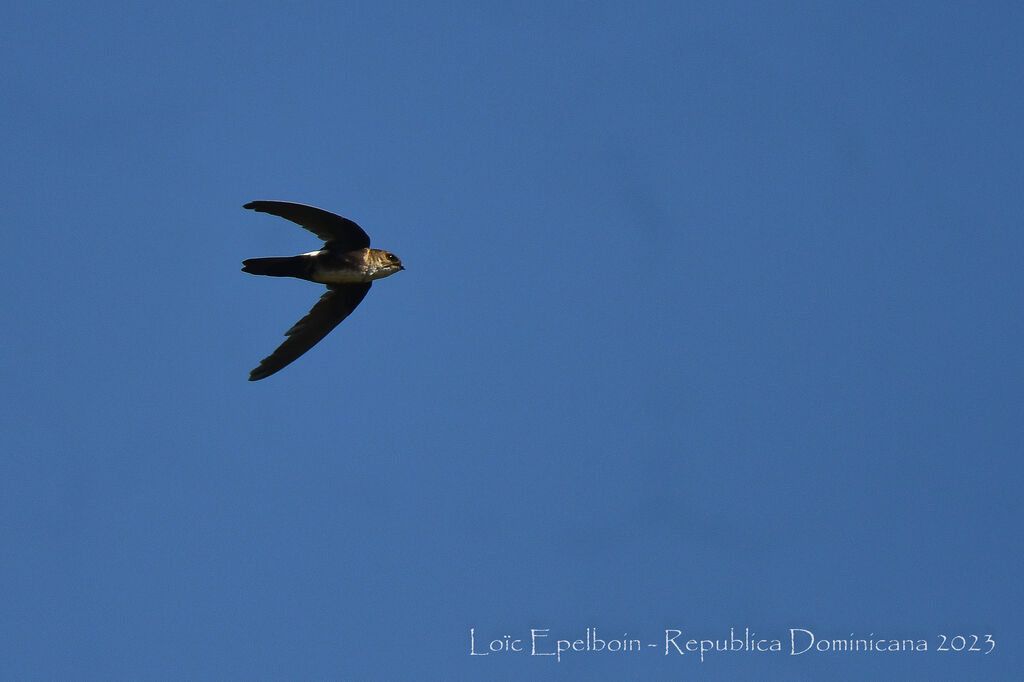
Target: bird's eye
column 392, row 257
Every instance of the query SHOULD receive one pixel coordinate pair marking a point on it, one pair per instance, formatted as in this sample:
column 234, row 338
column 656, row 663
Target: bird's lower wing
column 332, row 308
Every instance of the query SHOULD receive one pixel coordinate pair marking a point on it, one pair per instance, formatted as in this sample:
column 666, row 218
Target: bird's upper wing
column 336, row 231
column 332, row 308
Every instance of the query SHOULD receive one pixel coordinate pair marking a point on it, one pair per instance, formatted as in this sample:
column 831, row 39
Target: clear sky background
column 712, row 319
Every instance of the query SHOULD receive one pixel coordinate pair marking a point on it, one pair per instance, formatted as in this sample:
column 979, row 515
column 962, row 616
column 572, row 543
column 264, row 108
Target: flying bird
column 346, row 264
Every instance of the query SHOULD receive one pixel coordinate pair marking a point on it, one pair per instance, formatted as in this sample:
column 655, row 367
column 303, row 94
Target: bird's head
column 383, row 263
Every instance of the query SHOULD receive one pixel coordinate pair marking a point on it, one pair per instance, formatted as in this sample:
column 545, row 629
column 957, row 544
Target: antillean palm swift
column 346, row 264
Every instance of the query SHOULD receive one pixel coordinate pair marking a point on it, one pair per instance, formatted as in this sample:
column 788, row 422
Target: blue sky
column 711, row 321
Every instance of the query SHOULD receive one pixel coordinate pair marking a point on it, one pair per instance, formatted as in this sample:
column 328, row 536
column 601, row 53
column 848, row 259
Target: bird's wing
column 336, row 231
column 332, row 308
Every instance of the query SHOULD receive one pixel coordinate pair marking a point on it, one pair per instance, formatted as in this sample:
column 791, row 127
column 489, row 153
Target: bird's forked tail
column 289, row 266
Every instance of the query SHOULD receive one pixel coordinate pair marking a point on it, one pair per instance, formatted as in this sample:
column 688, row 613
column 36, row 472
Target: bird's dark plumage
column 339, row 233
column 332, row 308
column 289, row 266
column 345, row 264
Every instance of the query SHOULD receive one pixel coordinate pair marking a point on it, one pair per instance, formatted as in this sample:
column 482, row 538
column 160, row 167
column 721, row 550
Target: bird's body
column 346, row 264
column 326, row 267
